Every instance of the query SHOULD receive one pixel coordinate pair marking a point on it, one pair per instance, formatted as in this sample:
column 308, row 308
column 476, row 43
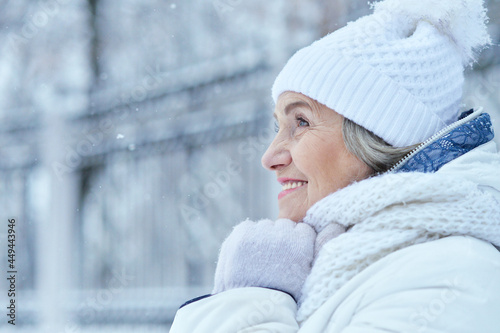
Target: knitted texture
column 397, row 72
column 448, row 17
column 326, row 234
column 390, row 212
column 269, row 254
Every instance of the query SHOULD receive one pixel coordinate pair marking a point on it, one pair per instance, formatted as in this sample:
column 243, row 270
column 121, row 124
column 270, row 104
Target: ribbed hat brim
column 360, row 93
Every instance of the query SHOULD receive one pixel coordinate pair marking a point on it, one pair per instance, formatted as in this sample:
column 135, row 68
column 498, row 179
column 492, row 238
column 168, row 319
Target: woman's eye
column 276, row 127
column 302, row 122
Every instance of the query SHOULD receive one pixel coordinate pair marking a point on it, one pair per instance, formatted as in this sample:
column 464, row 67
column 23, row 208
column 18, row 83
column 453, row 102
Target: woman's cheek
column 304, row 150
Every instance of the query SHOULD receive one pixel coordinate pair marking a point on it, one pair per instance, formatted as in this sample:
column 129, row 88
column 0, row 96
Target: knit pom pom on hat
column 461, row 20
column 397, row 72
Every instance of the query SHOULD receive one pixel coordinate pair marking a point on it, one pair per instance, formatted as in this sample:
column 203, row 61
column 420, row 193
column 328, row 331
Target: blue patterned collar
column 458, row 139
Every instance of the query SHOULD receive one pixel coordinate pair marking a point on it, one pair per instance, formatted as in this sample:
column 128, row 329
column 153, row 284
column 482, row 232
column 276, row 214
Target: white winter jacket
column 417, row 257
column 448, row 285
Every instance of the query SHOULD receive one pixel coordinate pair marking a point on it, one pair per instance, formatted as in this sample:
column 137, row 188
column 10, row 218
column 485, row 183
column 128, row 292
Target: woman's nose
column 277, row 156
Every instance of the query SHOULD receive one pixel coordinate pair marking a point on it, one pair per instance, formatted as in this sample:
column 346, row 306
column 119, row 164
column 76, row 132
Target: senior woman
column 389, row 217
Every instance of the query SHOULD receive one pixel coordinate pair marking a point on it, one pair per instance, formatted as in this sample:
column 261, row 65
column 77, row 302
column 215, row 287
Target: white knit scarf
column 389, row 212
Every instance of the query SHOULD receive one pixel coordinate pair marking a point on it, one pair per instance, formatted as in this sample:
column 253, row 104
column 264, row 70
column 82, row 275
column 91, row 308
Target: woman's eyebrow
column 292, row 106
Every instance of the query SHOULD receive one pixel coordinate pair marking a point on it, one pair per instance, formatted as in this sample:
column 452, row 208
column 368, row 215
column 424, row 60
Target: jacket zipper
column 436, row 136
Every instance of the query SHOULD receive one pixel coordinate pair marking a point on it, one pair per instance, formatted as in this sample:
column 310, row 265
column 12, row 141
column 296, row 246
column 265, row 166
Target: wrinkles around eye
column 294, row 121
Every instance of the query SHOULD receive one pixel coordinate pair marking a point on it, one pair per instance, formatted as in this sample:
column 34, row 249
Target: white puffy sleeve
column 246, row 310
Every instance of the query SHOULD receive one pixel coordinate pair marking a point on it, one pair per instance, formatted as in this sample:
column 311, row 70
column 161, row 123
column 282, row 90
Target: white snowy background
column 130, row 140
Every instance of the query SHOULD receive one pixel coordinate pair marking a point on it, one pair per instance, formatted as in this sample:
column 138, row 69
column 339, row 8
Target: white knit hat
column 397, row 72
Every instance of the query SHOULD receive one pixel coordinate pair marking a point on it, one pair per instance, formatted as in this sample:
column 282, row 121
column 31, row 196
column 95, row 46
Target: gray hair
column 371, row 149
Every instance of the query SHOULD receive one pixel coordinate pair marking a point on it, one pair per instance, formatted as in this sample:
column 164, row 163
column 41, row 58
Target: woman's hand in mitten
column 325, row 235
column 269, row 254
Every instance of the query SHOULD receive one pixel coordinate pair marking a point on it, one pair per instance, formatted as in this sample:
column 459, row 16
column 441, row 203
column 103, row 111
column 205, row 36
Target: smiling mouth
column 290, row 186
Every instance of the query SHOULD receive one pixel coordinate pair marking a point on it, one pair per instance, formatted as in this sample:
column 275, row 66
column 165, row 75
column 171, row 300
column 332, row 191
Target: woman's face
column 308, row 155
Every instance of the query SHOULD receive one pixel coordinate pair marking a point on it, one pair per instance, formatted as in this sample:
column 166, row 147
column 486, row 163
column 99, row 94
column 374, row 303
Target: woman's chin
column 291, row 215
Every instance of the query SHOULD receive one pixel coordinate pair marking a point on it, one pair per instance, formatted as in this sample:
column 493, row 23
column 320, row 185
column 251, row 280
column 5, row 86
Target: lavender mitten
column 269, row 254
column 326, row 234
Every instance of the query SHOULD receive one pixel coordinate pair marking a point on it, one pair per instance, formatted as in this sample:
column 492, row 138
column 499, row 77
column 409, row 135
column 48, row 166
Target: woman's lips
column 290, row 185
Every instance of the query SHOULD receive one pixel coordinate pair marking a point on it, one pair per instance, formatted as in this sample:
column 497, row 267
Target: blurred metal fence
column 151, row 189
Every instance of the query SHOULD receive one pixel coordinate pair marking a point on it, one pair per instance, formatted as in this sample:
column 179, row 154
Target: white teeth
column 291, row 185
